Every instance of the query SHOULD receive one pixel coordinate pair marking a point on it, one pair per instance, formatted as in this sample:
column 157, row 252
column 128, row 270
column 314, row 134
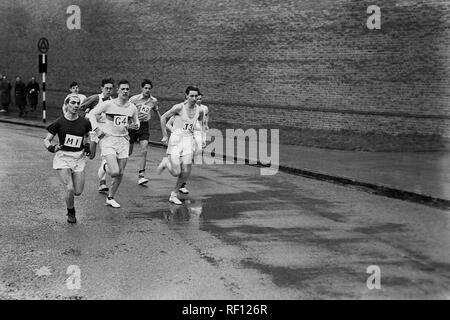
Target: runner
column 89, row 104
column 113, row 135
column 203, row 126
column 180, row 148
column 200, row 132
column 74, row 89
column 70, row 158
column 144, row 103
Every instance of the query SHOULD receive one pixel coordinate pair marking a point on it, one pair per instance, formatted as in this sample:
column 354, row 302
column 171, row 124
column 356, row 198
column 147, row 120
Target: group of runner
column 115, row 124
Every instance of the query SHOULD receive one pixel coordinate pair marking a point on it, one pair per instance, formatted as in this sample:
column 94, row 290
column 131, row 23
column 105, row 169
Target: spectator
column 33, row 93
column 5, row 93
column 20, row 93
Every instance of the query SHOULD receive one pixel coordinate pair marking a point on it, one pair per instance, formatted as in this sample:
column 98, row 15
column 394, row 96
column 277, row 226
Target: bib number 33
column 188, row 127
column 120, row 121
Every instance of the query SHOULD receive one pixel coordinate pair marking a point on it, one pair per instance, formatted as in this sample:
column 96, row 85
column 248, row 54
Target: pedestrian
column 5, row 93
column 181, row 145
column 70, row 154
column 121, row 115
column 33, row 90
column 20, row 94
column 107, row 86
column 144, row 103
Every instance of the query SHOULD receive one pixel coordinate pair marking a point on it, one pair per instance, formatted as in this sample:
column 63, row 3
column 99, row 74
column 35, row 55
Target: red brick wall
column 310, row 63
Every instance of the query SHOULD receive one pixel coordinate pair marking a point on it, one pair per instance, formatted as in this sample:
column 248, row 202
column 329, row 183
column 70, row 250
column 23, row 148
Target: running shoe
column 174, row 199
column 103, row 187
column 183, row 190
column 113, row 203
column 142, row 181
column 71, row 218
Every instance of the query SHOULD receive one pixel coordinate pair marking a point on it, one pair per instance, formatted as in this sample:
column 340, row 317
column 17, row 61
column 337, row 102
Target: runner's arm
column 101, row 107
column 156, row 110
column 89, row 148
column 48, row 143
column 201, row 116
column 163, row 119
column 169, row 124
column 206, row 118
column 135, row 123
column 89, row 103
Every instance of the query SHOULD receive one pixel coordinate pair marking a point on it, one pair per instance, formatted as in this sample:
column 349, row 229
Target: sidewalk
column 417, row 176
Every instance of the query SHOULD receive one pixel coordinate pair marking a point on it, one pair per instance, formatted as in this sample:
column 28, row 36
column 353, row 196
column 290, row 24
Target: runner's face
column 73, row 105
column 107, row 90
column 123, row 91
column 199, row 100
column 74, row 89
column 146, row 90
column 192, row 97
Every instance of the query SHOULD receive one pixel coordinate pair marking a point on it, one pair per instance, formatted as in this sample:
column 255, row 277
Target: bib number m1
column 73, row 141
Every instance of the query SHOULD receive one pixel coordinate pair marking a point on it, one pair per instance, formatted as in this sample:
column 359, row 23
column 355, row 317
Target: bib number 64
column 120, row 121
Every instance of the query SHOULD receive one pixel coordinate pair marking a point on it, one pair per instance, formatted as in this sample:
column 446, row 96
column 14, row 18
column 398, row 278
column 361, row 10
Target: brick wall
column 311, row 63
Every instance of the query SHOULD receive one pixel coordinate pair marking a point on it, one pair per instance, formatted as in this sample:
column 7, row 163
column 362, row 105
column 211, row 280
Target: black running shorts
column 141, row 134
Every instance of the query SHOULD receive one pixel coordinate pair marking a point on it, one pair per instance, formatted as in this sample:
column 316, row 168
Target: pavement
column 421, row 177
column 238, row 235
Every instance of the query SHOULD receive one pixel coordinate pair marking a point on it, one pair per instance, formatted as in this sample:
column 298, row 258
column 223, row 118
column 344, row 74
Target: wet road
column 239, row 235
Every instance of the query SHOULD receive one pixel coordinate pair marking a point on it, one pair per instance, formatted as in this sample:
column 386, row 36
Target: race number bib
column 188, row 127
column 119, row 121
column 73, row 141
column 144, row 109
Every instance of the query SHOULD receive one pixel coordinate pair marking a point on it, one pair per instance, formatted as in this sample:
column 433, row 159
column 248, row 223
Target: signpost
column 43, row 48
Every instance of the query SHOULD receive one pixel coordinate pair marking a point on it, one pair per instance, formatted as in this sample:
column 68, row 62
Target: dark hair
column 73, row 84
column 146, row 81
column 191, row 88
column 107, row 80
column 123, row 81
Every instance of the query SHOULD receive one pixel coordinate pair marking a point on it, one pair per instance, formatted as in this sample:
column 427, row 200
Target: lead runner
column 70, row 158
column 181, row 145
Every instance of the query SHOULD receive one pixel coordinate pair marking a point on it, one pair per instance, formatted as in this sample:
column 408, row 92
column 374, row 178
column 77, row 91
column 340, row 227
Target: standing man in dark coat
column 33, row 93
column 20, row 92
column 5, row 93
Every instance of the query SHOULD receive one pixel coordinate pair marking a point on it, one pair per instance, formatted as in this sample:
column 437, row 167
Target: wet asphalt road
column 239, row 235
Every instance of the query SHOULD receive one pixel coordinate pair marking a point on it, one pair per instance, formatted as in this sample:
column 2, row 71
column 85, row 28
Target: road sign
column 43, row 45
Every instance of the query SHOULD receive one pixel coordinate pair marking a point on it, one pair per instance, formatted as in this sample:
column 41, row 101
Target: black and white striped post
column 44, row 108
column 43, row 48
